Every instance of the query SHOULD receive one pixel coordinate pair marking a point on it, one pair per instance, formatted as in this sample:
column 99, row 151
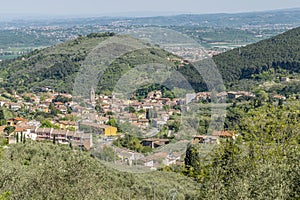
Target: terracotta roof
column 222, row 133
column 19, row 129
column 19, row 119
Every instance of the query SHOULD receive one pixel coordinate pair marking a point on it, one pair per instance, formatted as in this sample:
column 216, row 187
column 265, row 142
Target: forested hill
column 57, row 66
column 54, row 66
column 279, row 52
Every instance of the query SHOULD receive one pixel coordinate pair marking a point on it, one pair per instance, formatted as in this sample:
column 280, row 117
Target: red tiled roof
column 20, row 119
column 222, row 133
column 19, row 129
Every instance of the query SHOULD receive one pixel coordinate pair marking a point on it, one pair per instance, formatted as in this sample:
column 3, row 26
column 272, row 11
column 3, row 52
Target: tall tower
column 92, row 96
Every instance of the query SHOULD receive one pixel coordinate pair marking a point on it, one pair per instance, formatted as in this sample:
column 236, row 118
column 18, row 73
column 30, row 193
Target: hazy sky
column 117, row 7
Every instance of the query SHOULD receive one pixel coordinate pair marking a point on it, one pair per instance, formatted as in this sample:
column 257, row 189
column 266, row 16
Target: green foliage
column 48, row 124
column 10, row 97
column 130, row 109
column 57, row 67
column 131, row 142
column 168, row 94
column 101, row 35
column 106, row 153
column 286, row 89
column 261, row 163
column 47, row 171
column 2, row 116
column 9, row 129
column 192, row 157
column 277, row 53
column 71, row 128
column 3, row 142
column 99, row 109
column 53, row 111
column 261, row 95
column 2, row 122
column 141, row 111
column 26, row 99
column 112, row 122
column 174, row 125
column 109, row 113
column 63, row 99
column 5, row 195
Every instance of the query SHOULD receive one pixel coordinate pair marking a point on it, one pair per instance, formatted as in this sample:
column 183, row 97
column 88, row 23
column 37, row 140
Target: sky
column 137, row 7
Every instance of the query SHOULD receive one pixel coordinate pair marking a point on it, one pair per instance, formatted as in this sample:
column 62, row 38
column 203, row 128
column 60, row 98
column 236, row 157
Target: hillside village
column 95, row 123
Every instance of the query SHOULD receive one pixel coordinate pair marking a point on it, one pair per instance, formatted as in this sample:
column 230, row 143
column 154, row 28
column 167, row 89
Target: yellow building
column 109, row 130
column 101, row 128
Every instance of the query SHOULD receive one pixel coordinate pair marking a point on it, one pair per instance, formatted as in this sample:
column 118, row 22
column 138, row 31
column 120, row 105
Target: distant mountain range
column 288, row 16
column 232, row 20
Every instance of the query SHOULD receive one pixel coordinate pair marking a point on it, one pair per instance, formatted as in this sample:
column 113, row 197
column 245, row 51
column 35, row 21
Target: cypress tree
column 54, row 141
column 17, row 137
column 24, row 138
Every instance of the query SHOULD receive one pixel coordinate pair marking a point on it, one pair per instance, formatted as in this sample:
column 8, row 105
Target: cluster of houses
column 32, row 102
column 152, row 112
column 31, row 130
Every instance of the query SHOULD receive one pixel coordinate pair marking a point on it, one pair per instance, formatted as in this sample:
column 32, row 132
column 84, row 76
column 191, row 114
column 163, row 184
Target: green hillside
column 279, row 52
column 47, row 171
column 54, row 66
column 57, row 66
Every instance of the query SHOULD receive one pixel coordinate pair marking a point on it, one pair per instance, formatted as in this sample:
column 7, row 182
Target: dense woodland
column 56, row 67
column 279, row 52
